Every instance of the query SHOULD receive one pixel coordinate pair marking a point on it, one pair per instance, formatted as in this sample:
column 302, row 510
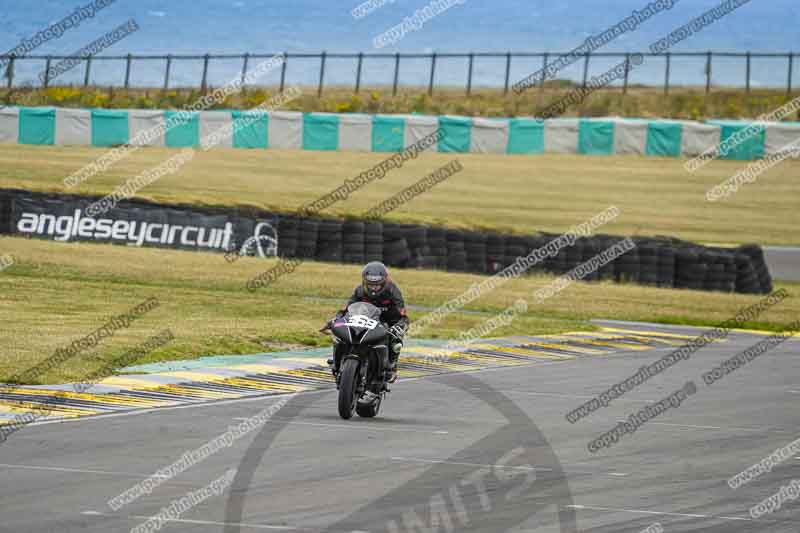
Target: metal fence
column 505, row 82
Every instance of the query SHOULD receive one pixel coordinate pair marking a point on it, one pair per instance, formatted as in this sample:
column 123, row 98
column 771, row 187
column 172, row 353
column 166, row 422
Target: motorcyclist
column 378, row 289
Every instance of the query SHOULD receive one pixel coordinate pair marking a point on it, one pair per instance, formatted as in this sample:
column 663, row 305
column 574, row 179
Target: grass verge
column 56, row 293
column 520, row 194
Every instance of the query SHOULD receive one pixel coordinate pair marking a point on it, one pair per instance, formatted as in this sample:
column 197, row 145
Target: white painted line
column 574, row 396
column 566, row 468
column 351, row 426
column 795, row 391
column 692, row 426
column 663, row 513
column 417, row 460
column 80, row 471
column 196, row 522
column 150, row 410
column 680, row 425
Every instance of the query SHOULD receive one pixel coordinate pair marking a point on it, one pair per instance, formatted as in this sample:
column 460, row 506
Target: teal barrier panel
column 751, row 147
column 525, row 136
column 664, row 139
column 109, row 128
column 596, row 137
column 37, row 126
column 320, row 132
column 387, row 134
column 250, row 129
column 182, row 130
column 456, row 134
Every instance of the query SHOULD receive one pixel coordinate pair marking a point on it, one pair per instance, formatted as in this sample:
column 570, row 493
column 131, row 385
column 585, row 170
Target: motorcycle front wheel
column 348, row 387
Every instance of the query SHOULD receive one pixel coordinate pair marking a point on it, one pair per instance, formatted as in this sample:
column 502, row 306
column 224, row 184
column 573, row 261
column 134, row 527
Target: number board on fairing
column 361, row 321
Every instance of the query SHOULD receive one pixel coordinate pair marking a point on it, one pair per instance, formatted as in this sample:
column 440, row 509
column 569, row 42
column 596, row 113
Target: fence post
column 10, row 71
column 128, row 71
column 585, row 69
column 244, row 68
column 283, row 70
column 88, row 71
column 747, row 81
column 708, row 72
column 666, row 74
column 358, row 71
column 166, row 71
column 205, row 74
column 321, row 73
column 544, row 72
column 396, row 73
column 508, row 71
column 433, row 73
column 788, row 78
column 627, row 71
column 469, row 74
column 47, row 72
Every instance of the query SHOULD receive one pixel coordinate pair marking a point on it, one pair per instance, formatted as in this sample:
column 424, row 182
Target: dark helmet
column 374, row 277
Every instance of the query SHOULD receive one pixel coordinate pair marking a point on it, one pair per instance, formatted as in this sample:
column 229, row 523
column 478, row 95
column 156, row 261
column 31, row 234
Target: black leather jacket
column 389, row 301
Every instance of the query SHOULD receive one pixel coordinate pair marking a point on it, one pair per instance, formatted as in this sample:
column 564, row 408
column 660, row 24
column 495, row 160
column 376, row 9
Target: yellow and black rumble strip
column 285, row 374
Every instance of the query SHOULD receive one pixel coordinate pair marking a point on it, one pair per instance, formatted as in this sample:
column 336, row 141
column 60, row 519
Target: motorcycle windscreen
column 364, row 309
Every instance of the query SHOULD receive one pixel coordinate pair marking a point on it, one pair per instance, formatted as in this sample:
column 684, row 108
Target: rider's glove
column 397, row 332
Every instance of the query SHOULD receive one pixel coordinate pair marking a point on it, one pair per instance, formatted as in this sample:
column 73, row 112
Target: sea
column 198, row 27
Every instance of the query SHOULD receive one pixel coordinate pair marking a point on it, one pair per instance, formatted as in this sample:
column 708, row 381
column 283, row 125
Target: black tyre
column 287, row 248
column 348, row 388
column 5, row 213
column 373, row 252
column 307, row 236
column 574, row 254
column 354, row 258
column 396, row 253
column 666, row 265
column 393, row 232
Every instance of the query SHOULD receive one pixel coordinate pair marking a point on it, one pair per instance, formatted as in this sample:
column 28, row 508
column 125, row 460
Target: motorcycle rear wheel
column 348, row 396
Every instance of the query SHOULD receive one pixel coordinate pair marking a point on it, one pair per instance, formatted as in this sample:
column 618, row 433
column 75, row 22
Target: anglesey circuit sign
column 65, row 218
column 136, row 232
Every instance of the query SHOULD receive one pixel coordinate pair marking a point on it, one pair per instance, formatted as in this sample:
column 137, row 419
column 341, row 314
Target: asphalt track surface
column 486, row 450
column 783, row 262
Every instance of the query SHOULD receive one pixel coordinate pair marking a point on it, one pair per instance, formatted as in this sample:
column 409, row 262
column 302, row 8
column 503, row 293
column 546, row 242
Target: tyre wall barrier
column 654, row 261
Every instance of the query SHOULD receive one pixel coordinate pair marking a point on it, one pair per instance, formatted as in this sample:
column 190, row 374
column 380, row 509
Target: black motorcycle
column 361, row 360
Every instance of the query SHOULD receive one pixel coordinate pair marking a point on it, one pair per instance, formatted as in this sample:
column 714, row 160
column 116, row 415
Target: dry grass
column 687, row 102
column 56, row 293
column 523, row 194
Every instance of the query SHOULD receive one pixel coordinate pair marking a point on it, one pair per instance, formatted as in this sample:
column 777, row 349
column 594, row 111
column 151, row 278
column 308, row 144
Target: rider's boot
column 391, row 372
column 332, row 359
